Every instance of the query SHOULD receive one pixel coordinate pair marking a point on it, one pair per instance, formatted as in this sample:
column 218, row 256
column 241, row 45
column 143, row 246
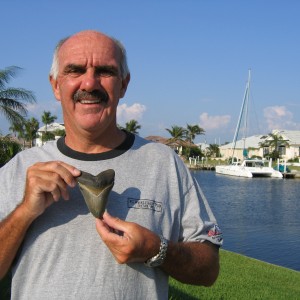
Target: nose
column 90, row 81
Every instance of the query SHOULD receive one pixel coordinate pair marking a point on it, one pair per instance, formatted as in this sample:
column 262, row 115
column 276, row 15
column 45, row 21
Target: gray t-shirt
column 63, row 257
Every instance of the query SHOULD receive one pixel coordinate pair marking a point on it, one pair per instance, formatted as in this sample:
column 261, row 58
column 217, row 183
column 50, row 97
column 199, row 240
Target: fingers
column 102, row 228
column 53, row 177
column 115, row 223
column 47, row 182
column 135, row 244
column 57, row 169
column 108, row 233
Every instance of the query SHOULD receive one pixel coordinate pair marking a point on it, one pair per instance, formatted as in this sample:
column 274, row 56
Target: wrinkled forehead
column 91, row 49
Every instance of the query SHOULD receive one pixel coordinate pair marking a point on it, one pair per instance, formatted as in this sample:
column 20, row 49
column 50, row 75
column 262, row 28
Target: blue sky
column 189, row 59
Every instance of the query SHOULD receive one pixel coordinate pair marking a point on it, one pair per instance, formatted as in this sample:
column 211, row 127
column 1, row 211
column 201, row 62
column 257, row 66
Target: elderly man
column 152, row 228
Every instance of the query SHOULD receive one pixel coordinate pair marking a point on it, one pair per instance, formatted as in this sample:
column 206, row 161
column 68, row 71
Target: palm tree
column 178, row 133
column 13, row 100
column 47, row 119
column 213, row 150
column 193, row 131
column 31, row 128
column 17, row 129
column 274, row 141
column 132, row 126
column 8, row 149
column 177, row 141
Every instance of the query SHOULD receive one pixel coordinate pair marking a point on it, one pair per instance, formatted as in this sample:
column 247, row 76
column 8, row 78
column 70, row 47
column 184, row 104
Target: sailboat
column 248, row 167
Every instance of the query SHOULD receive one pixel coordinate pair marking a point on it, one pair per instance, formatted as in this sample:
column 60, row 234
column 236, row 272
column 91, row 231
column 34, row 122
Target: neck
column 91, row 143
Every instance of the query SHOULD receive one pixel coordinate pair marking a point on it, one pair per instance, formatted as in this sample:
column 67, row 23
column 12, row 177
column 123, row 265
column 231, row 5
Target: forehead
column 89, row 49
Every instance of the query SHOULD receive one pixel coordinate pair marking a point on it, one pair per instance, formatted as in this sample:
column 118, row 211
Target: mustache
column 93, row 95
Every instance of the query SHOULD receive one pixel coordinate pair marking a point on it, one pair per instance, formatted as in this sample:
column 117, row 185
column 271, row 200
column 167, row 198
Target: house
column 253, row 146
column 204, row 147
column 53, row 127
column 176, row 145
column 293, row 139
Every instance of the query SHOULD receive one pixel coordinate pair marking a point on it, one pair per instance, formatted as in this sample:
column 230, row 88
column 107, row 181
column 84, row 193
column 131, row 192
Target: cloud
column 36, row 110
column 126, row 113
column 279, row 117
column 213, row 122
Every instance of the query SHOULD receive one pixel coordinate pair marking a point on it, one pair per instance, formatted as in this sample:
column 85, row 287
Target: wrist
column 159, row 258
column 25, row 212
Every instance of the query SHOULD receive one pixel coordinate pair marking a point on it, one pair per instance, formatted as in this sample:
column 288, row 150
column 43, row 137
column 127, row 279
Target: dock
column 201, row 167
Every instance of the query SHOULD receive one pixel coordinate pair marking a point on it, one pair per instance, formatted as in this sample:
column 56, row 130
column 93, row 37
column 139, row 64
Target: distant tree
column 48, row 136
column 178, row 133
column 192, row 152
column 31, row 129
column 13, row 100
column 213, row 150
column 17, row 128
column 192, row 131
column 47, row 119
column 59, row 132
column 274, row 141
column 132, row 126
column 8, row 149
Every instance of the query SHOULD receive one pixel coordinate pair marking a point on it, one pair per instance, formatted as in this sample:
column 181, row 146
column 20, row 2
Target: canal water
column 259, row 217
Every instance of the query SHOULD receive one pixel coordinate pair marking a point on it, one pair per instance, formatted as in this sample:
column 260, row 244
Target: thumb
column 115, row 222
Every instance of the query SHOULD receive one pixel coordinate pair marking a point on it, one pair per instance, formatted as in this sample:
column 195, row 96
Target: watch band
column 158, row 259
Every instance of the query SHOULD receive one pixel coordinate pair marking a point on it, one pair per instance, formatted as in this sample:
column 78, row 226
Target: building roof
column 169, row 141
column 292, row 136
column 157, row 139
column 52, row 127
column 250, row 142
column 203, row 146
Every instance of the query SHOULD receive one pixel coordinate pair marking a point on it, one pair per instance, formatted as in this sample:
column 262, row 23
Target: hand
column 127, row 241
column 46, row 182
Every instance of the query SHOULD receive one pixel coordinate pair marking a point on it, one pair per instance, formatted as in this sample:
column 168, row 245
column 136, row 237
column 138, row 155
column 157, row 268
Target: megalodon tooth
column 95, row 190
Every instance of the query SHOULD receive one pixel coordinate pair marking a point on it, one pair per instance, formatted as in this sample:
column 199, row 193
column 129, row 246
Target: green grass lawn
column 243, row 278
column 240, row 278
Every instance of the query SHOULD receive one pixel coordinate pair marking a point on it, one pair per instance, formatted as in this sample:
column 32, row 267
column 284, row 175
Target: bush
column 8, row 149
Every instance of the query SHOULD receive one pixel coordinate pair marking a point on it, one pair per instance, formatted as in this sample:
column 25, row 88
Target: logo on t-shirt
column 144, row 204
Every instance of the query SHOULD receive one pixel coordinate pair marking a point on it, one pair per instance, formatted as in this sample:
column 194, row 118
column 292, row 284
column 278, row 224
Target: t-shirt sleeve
column 196, row 224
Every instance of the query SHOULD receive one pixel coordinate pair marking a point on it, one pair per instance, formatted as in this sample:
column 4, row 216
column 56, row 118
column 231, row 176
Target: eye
column 74, row 70
column 107, row 71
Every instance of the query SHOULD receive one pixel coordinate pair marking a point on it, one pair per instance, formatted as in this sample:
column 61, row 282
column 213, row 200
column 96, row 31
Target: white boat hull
column 233, row 170
column 244, row 171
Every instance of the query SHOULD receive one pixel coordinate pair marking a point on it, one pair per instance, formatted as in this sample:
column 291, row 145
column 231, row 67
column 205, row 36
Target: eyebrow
column 73, row 67
column 105, row 68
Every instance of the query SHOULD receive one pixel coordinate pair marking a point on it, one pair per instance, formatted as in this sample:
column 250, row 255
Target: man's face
column 89, row 83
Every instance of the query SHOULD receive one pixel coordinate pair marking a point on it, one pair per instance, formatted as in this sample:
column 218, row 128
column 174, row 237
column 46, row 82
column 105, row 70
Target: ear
column 55, row 88
column 125, row 83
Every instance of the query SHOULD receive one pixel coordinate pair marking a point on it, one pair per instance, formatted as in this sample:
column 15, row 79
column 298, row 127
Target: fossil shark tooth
column 95, row 190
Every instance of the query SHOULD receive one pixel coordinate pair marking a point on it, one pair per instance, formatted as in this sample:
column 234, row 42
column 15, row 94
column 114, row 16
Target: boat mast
column 245, row 152
column 244, row 109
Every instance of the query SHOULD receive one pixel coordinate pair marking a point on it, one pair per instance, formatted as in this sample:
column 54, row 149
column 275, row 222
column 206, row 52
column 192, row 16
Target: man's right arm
column 45, row 183
column 12, row 232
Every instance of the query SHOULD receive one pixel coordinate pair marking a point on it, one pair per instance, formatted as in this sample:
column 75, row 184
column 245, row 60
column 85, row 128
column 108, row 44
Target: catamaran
column 248, row 167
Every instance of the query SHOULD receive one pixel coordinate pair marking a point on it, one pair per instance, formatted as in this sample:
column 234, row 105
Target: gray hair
column 123, row 64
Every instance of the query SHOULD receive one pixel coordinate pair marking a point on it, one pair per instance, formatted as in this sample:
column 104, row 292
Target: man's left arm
column 189, row 262
column 192, row 262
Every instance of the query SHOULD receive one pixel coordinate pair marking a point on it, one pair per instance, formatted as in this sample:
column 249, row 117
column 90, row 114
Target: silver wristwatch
column 158, row 259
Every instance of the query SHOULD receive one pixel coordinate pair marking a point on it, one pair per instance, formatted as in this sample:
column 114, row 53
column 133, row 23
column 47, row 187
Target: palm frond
column 18, row 94
column 14, row 105
column 11, row 115
column 7, row 74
